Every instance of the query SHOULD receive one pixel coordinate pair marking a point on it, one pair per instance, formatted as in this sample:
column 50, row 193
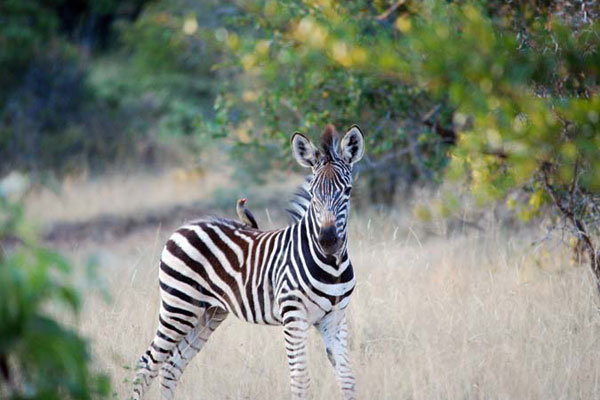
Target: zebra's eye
column 348, row 190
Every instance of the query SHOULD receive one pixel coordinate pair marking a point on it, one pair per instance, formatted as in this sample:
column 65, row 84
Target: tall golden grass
column 484, row 315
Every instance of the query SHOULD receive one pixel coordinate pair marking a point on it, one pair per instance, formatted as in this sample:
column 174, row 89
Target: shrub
column 515, row 85
column 40, row 356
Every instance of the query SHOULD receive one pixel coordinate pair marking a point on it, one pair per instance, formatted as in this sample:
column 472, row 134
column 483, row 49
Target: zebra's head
column 332, row 182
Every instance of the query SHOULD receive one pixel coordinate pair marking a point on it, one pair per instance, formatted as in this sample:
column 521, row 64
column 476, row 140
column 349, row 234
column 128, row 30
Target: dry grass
column 484, row 316
column 463, row 318
column 82, row 199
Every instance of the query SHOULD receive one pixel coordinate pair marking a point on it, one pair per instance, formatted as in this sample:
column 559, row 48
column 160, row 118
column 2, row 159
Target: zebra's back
column 220, row 263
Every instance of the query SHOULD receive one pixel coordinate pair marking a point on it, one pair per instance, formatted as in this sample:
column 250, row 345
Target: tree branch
column 448, row 135
column 389, row 11
column 574, row 184
column 569, row 214
column 388, row 157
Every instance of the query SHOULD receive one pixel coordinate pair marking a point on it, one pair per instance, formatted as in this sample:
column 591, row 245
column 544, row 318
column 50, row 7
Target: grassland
column 479, row 315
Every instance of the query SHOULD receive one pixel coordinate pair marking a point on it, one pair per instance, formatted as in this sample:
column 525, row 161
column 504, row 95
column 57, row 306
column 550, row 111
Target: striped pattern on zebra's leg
column 334, row 330
column 187, row 348
column 296, row 345
column 148, row 366
column 171, row 330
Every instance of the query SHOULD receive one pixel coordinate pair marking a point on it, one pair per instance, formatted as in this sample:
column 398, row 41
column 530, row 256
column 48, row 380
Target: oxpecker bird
column 245, row 215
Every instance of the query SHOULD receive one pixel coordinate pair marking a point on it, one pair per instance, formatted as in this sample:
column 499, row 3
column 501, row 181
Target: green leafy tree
column 298, row 65
column 40, row 356
column 171, row 50
column 505, row 94
column 51, row 118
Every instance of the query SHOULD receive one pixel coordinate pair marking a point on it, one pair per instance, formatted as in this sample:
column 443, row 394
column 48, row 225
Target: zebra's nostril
column 329, row 233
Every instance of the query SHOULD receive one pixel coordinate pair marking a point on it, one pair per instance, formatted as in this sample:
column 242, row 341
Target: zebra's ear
column 304, row 151
column 353, row 145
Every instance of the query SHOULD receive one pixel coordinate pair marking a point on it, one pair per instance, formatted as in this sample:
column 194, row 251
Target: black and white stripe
column 297, row 276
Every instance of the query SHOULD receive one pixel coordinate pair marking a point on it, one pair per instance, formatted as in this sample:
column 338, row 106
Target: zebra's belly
column 273, row 318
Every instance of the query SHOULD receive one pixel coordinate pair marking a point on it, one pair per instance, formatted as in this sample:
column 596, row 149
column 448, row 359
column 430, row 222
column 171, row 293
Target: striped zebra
column 297, row 276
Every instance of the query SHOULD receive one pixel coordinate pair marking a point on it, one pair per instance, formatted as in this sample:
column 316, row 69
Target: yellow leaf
column 190, row 25
column 403, row 24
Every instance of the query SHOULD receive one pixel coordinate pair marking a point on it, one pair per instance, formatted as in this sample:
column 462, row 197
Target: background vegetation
column 486, row 90
column 41, row 356
column 502, row 97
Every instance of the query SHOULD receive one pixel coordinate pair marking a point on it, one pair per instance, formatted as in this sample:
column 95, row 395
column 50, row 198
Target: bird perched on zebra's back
column 245, row 215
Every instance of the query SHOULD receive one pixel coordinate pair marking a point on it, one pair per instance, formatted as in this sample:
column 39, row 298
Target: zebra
column 296, row 276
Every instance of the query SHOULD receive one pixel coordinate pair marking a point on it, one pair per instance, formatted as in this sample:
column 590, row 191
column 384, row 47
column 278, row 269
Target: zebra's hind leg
column 187, row 348
column 173, row 325
column 334, row 330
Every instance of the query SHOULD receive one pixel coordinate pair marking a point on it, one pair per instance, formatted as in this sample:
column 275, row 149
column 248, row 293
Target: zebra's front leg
column 334, row 330
column 295, row 331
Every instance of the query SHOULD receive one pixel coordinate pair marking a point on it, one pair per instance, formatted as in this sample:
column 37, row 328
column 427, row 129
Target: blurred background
column 477, row 196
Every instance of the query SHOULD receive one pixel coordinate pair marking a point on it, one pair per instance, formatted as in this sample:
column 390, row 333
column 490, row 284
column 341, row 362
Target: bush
column 171, row 50
column 294, row 73
column 52, row 117
column 515, row 89
column 40, row 357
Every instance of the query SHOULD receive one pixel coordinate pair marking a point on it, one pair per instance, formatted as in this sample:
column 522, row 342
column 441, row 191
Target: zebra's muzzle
column 329, row 240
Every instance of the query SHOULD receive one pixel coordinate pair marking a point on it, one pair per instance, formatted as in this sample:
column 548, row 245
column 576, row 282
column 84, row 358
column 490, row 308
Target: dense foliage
column 305, row 65
column 40, row 356
column 171, row 50
column 86, row 85
column 418, row 75
column 507, row 93
column 50, row 116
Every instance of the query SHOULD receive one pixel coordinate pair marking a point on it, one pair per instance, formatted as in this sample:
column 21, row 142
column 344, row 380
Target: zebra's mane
column 232, row 223
column 300, row 201
column 329, row 142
